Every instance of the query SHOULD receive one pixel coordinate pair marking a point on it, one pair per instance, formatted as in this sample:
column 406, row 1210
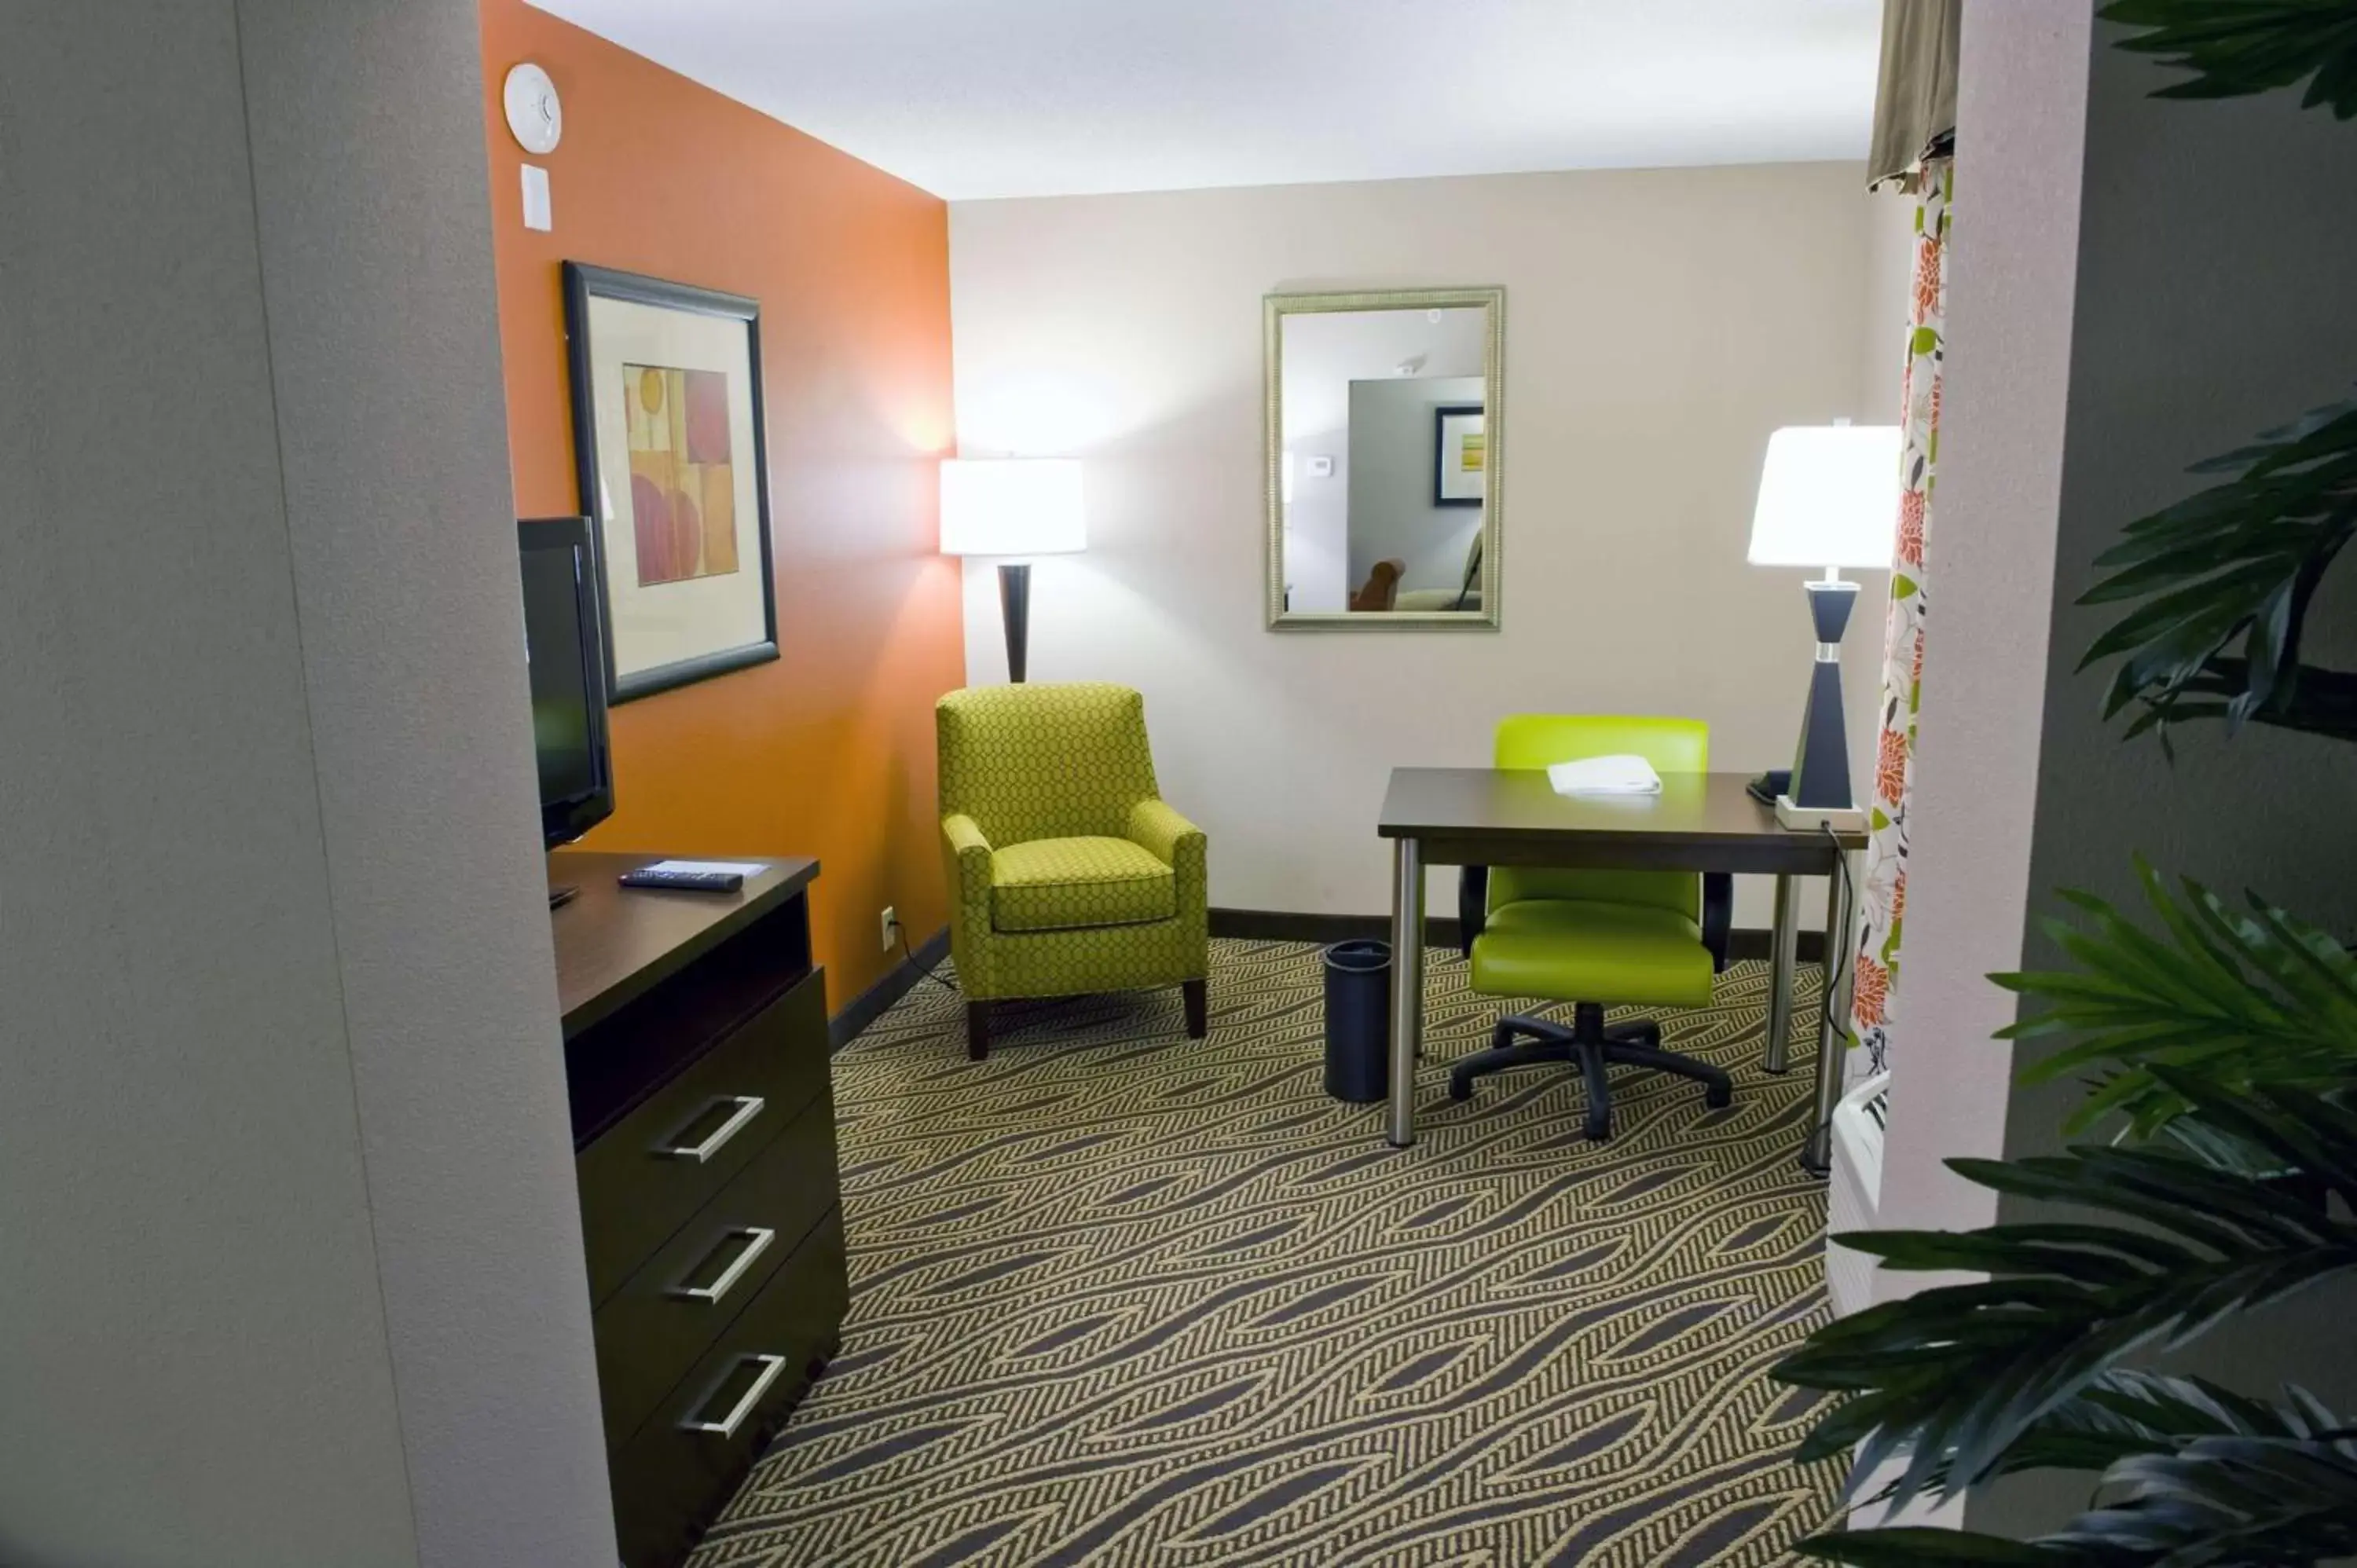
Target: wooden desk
column 1700, row 821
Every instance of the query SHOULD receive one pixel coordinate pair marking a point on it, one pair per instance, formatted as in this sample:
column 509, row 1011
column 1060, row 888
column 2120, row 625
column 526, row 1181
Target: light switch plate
column 536, row 213
column 1321, row 468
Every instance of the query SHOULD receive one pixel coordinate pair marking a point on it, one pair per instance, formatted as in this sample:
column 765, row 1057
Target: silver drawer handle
column 747, row 1107
column 771, row 1366
column 760, row 1239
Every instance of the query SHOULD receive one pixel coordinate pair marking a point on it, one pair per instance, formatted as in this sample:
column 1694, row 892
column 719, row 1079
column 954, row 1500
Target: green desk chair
column 1594, row 938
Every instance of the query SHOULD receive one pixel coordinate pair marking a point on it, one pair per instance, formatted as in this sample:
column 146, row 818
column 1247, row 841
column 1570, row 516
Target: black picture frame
column 584, row 283
column 1441, row 414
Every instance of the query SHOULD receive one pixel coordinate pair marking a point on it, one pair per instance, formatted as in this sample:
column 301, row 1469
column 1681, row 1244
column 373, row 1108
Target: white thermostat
column 1321, row 468
column 536, row 116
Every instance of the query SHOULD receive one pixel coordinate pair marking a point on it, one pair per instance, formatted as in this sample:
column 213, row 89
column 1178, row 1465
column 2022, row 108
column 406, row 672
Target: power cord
column 1838, row 969
column 1836, row 966
column 900, row 932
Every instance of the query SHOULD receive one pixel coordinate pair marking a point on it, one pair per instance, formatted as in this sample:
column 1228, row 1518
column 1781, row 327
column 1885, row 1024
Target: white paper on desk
column 1605, row 775
column 739, row 867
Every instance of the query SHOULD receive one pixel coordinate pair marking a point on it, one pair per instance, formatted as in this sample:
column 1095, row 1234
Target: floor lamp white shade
column 1013, row 508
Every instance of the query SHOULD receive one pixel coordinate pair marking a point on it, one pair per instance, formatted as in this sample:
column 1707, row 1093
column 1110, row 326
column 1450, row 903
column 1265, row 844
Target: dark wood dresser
column 695, row 1051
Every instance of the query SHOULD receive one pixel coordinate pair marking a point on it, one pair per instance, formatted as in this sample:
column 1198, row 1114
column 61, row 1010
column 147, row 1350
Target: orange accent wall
column 829, row 750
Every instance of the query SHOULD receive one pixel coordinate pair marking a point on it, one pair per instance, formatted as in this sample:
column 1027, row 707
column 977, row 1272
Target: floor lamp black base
column 1014, row 607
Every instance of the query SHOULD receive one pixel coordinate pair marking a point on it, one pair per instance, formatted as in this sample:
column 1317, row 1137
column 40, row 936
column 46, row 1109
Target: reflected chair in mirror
column 1466, row 596
column 1594, row 939
column 1381, row 587
column 1069, row 875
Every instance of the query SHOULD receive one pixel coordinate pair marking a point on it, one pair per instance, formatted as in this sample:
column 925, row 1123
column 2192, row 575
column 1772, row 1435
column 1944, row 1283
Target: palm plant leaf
column 2320, row 701
column 2240, row 998
column 2223, row 580
column 2126, row 1414
column 1956, row 1377
column 2235, row 48
column 2196, row 1473
column 2228, row 1500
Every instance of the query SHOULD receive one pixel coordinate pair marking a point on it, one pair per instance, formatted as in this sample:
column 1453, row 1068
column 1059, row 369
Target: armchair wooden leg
column 977, row 1030
column 1198, row 993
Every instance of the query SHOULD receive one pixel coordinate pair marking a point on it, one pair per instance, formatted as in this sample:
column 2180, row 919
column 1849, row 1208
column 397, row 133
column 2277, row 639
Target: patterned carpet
column 1121, row 1297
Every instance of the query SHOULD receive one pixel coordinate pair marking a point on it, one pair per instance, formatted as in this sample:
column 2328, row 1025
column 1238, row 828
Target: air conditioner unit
column 1857, row 1184
column 1851, row 1203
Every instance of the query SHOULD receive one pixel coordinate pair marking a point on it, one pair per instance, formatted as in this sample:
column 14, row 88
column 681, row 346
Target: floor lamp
column 1828, row 498
column 1013, row 508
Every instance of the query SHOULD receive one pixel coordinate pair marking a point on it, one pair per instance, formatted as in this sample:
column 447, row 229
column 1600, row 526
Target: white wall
column 374, row 226
column 2135, row 284
column 2012, row 270
column 293, row 1266
column 1393, row 516
column 1659, row 326
column 1890, row 271
column 2095, row 211
column 2204, row 216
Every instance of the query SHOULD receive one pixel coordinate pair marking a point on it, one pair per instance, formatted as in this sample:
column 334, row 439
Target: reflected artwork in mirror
column 1385, row 431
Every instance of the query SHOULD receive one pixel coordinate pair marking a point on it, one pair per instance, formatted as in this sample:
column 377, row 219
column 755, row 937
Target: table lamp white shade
column 1011, row 505
column 1828, row 496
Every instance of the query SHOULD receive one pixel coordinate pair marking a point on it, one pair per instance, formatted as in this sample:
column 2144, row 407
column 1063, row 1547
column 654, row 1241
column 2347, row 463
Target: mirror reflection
column 1385, row 432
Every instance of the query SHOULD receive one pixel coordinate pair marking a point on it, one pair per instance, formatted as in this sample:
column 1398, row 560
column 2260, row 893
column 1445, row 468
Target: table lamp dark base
column 1819, row 794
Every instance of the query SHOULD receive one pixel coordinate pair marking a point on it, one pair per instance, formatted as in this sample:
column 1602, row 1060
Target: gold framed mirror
column 1384, row 416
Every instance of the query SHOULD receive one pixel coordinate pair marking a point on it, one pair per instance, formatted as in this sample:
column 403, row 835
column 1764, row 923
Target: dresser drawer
column 667, row 1315
column 675, row 1474
column 642, row 1178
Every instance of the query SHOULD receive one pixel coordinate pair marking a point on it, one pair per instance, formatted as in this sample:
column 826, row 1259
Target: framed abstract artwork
column 667, row 444
column 1461, row 453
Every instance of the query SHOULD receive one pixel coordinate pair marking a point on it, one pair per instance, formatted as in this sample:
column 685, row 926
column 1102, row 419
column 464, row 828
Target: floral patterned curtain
column 1883, row 881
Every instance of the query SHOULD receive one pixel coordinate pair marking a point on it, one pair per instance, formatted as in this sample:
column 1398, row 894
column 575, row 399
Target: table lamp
column 1829, row 498
column 1013, row 508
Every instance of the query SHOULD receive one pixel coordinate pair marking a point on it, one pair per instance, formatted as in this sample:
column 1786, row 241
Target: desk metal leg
column 1833, row 1029
column 1783, row 953
column 1407, row 985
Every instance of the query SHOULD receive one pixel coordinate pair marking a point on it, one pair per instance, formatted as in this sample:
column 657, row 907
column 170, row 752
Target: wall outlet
column 891, row 925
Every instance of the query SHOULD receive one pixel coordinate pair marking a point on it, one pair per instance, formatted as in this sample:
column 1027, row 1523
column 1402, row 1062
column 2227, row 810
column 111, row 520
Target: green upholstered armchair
column 1068, row 873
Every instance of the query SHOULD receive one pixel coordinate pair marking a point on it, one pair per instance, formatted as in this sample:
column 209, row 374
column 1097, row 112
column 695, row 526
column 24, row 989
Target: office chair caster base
column 1594, row 1045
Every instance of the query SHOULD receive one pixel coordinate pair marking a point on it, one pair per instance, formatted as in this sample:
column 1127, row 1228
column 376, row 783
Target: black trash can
column 1358, row 1021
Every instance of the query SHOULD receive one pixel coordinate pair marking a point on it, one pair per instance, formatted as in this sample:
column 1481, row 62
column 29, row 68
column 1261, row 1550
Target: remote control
column 683, row 881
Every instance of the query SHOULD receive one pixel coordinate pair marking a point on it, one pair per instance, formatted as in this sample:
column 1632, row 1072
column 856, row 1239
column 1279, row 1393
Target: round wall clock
column 535, row 117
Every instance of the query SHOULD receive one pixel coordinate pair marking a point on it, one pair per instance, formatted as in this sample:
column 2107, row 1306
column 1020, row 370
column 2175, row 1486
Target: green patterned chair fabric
column 1068, row 873
column 1064, row 884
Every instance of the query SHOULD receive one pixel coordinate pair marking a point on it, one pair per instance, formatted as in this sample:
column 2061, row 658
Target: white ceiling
column 985, row 97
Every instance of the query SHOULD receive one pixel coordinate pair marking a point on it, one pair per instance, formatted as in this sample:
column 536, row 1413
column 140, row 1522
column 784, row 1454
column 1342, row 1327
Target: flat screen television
column 564, row 645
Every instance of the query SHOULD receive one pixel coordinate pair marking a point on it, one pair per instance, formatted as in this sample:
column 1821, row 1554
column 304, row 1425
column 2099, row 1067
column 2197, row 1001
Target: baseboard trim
column 1289, row 926
column 869, row 1005
column 1248, row 925
column 1286, row 926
